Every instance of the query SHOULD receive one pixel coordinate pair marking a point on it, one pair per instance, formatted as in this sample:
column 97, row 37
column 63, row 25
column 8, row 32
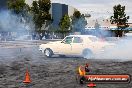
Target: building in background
column 58, row 10
column 104, row 27
column 104, row 24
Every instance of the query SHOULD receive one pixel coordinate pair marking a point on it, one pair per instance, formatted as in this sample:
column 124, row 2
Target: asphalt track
column 55, row 72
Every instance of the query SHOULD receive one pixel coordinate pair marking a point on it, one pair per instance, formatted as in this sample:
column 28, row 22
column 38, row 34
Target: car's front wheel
column 48, row 52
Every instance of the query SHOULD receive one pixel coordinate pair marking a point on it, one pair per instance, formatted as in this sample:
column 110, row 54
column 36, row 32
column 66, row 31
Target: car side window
column 68, row 40
column 77, row 40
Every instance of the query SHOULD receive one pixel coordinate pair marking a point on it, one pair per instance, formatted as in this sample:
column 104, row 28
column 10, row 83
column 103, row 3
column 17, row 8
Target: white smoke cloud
column 121, row 51
column 12, row 23
column 9, row 22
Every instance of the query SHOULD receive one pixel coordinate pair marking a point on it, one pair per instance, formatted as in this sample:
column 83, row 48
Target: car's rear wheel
column 87, row 54
column 48, row 52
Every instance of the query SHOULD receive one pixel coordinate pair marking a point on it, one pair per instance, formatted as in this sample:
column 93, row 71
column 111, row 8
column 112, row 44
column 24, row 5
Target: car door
column 96, row 45
column 65, row 46
column 77, row 46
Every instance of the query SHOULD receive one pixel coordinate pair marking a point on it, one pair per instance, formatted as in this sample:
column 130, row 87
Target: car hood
column 54, row 42
column 109, row 43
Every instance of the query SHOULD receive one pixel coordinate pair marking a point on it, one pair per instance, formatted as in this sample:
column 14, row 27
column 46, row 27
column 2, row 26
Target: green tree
column 16, row 6
column 65, row 25
column 119, row 17
column 78, row 22
column 41, row 15
column 22, row 11
column 77, row 14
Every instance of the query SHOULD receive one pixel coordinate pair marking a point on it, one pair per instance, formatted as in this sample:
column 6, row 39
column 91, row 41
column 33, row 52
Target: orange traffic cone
column 27, row 77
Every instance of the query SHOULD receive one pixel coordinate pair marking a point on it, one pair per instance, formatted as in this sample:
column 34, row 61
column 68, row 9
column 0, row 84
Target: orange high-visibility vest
column 81, row 71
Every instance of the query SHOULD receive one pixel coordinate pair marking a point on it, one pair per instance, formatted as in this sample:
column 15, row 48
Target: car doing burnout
column 81, row 45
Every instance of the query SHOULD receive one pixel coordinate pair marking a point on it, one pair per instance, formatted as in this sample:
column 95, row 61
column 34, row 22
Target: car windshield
column 67, row 40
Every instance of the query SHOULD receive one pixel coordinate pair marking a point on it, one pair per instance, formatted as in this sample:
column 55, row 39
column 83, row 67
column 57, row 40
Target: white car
column 81, row 45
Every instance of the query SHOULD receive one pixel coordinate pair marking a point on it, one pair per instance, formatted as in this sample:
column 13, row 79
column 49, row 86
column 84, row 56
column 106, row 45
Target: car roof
column 82, row 35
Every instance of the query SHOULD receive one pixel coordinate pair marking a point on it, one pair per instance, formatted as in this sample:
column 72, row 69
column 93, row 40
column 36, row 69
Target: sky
column 97, row 8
